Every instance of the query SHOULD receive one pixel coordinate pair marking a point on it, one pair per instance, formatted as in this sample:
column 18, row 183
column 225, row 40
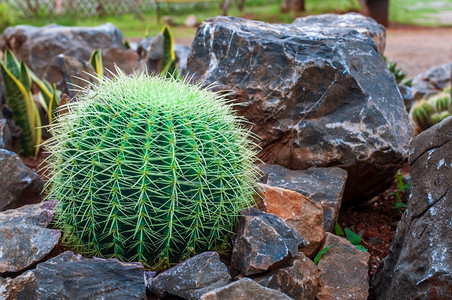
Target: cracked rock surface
column 18, row 184
column 324, row 186
column 317, row 99
column 263, row 241
column 419, row 264
column 347, row 22
column 71, row 276
column 192, row 278
column 24, row 238
column 244, row 289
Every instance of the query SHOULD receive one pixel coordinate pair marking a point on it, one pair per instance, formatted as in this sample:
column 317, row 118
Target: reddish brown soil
column 376, row 221
column 417, row 49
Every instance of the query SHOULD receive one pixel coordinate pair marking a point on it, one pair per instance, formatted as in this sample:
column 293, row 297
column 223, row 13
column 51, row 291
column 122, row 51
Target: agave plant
column 49, row 96
column 169, row 66
column 16, row 77
column 96, row 62
column 149, row 169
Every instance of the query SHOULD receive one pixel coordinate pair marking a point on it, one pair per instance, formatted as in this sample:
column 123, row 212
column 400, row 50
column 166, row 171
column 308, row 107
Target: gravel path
column 416, row 49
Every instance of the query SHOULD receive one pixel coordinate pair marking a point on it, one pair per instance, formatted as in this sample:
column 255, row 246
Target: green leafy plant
column 144, row 172
column 8, row 15
column 169, row 66
column 320, row 254
column 353, row 238
column 428, row 112
column 49, row 96
column 401, row 188
column 96, row 61
column 17, row 82
column 399, row 74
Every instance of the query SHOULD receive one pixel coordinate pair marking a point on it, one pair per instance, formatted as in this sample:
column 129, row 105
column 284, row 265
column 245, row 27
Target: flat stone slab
column 70, row 276
column 24, row 238
column 344, row 271
column 263, row 241
column 244, row 289
column 297, row 210
column 192, row 278
column 298, row 278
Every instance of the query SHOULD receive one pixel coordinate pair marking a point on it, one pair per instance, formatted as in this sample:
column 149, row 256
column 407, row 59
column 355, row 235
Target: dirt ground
column 416, row 49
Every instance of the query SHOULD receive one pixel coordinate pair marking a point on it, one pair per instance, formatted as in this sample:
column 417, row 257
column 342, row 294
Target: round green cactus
column 428, row 112
column 149, row 169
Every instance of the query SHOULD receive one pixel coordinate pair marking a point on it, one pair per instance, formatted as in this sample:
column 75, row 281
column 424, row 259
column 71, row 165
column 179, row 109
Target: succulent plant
column 428, row 112
column 17, row 81
column 149, row 169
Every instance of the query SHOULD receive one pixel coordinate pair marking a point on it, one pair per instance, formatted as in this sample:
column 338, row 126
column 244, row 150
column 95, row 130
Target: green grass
column 418, row 12
column 133, row 26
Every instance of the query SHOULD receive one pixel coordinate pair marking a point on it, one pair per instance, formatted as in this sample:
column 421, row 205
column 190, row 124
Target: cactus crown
column 149, row 169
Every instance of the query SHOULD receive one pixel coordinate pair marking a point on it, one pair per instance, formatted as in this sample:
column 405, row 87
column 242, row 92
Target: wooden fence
column 89, row 8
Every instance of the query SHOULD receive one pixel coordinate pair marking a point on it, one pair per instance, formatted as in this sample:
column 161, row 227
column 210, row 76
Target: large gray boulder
column 40, row 46
column 316, row 99
column 419, row 264
column 333, row 23
column 71, row 276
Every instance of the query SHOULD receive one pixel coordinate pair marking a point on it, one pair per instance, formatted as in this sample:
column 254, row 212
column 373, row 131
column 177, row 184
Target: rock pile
column 329, row 115
column 317, row 98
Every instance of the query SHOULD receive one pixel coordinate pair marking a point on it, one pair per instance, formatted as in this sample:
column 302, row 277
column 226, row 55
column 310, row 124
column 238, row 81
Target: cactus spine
column 149, row 169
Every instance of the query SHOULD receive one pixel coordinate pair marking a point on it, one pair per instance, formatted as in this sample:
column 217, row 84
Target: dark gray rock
column 18, row 184
column 126, row 60
column 182, row 53
column 70, row 276
column 298, row 278
column 192, row 278
column 419, row 264
column 150, row 50
column 432, row 81
column 24, row 238
column 316, row 99
column 263, row 241
column 352, row 21
column 407, row 95
column 20, row 287
column 77, row 74
column 6, row 141
column 244, row 289
column 325, row 186
column 40, row 46
column 344, row 271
